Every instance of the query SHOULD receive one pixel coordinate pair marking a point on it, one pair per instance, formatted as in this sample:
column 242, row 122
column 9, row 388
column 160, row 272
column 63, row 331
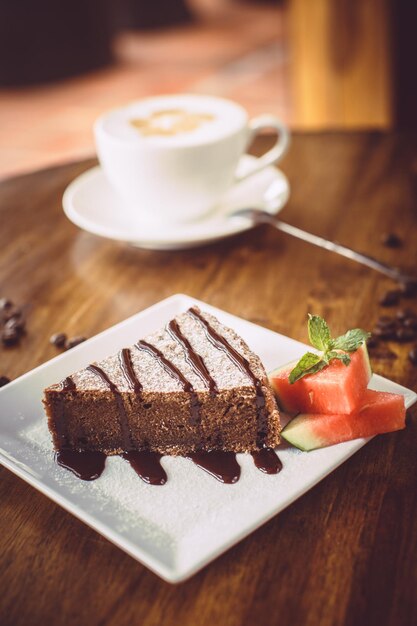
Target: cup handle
column 275, row 153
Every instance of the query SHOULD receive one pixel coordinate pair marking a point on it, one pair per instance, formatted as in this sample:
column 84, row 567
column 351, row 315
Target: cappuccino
column 171, row 158
column 185, row 119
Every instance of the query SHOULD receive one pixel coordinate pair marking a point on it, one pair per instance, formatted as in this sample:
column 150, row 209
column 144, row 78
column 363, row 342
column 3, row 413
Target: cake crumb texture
column 162, row 417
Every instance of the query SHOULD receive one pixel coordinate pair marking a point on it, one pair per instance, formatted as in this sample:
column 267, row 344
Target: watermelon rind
column 299, row 434
column 380, row 412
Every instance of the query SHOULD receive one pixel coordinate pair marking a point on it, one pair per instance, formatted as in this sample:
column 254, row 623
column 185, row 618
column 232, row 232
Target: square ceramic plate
column 178, row 528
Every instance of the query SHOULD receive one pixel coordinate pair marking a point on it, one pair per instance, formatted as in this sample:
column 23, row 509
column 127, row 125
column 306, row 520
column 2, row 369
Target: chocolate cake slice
column 193, row 385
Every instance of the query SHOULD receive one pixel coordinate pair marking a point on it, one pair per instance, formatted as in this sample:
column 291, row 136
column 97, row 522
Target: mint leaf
column 350, row 341
column 342, row 356
column 318, row 332
column 308, row 364
column 320, row 338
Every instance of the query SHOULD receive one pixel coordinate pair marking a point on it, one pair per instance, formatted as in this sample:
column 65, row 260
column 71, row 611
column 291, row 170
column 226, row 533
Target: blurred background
column 318, row 64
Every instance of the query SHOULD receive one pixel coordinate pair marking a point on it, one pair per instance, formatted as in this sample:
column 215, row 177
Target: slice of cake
column 193, row 385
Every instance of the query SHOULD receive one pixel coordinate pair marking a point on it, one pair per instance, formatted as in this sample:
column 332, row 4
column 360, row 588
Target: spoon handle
column 359, row 257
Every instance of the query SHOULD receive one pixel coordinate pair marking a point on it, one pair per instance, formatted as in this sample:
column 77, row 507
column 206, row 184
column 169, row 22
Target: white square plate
column 178, row 528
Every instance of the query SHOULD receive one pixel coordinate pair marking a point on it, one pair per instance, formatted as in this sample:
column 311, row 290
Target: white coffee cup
column 171, row 158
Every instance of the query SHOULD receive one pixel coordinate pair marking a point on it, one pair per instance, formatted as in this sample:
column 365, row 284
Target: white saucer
column 90, row 203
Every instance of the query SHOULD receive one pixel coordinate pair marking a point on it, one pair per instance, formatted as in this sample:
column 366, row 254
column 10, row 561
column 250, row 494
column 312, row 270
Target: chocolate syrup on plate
column 147, row 466
column 86, row 465
column 267, row 461
column 221, row 465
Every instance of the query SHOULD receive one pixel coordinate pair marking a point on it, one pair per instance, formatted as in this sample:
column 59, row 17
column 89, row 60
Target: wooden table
column 346, row 552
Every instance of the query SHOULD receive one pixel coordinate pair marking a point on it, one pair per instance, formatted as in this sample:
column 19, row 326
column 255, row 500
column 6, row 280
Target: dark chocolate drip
column 68, row 384
column 221, row 343
column 147, row 466
column 86, row 465
column 192, row 357
column 221, row 465
column 173, row 371
column 60, row 421
column 129, row 373
column 124, row 422
column 167, row 365
column 89, row 465
column 267, row 460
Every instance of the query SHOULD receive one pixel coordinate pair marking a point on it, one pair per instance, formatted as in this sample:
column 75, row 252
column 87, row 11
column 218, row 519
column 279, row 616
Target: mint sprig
column 321, row 339
column 350, row 341
column 318, row 332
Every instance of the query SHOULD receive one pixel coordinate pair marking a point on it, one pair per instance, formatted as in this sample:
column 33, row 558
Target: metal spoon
column 272, row 202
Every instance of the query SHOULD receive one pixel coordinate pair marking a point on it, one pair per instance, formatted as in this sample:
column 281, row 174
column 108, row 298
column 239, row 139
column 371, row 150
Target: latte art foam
column 170, row 122
column 176, row 120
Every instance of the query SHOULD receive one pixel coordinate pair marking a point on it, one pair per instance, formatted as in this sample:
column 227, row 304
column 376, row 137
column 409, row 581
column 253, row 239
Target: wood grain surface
column 344, row 553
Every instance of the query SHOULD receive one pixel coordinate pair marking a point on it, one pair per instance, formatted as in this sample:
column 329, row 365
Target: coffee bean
column 385, row 333
column 390, row 298
column 410, row 322
column 58, row 340
column 384, row 320
column 391, row 240
column 409, row 289
column 412, row 355
column 388, row 327
column 4, row 381
column 75, row 341
column 12, row 313
column 15, row 323
column 10, row 337
column 401, row 314
column 5, row 304
column 405, row 334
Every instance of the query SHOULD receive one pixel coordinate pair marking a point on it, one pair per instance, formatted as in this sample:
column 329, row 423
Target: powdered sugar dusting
column 153, row 377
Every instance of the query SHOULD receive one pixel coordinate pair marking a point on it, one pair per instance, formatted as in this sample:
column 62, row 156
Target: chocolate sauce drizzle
column 267, row 460
column 221, row 343
column 147, row 466
column 125, row 358
column 192, row 357
column 124, row 423
column 173, row 371
column 221, row 465
column 68, row 384
column 87, row 465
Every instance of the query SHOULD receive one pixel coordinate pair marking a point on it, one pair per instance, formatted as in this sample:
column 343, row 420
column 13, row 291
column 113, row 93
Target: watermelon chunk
column 380, row 412
column 335, row 389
